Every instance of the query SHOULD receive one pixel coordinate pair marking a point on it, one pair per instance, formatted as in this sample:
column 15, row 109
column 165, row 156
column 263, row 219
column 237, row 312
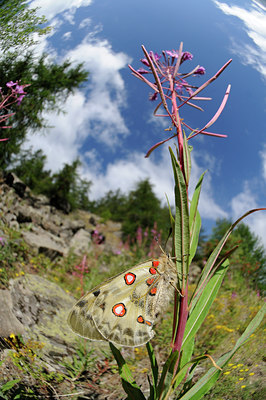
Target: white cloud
column 61, row 144
column 98, row 115
column 123, row 174
column 263, row 158
column 85, row 23
column 50, row 8
column 107, row 95
column 208, row 207
column 245, row 201
column 255, row 26
column 66, row 35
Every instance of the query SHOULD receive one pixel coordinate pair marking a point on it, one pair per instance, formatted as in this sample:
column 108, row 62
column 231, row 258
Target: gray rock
column 9, row 324
column 48, row 230
column 42, row 308
column 45, row 242
column 81, row 242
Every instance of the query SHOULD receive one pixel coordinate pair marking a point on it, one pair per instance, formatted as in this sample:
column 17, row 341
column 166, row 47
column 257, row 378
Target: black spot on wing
column 129, row 332
column 96, row 293
column 89, row 317
column 141, row 334
column 81, row 303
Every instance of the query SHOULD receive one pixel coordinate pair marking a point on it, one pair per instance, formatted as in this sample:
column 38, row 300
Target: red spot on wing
column 153, row 271
column 119, row 310
column 130, row 278
column 153, row 291
column 150, row 281
column 155, row 265
column 141, row 320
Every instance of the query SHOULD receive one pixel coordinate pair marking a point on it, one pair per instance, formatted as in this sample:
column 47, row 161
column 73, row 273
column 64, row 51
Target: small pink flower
column 153, row 96
column 10, row 84
column 200, row 71
column 142, row 71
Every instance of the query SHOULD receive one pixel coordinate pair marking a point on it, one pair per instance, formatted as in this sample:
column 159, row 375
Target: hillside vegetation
column 91, row 371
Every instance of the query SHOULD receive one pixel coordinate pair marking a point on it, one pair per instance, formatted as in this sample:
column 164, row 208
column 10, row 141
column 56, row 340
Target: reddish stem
column 183, row 314
column 177, row 122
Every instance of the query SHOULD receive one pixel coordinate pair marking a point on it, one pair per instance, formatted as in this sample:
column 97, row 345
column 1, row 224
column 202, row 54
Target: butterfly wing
column 80, row 319
column 116, row 316
column 124, row 308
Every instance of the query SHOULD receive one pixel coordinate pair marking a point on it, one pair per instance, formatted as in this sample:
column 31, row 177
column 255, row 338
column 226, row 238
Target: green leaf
column 128, row 382
column 8, row 385
column 205, row 383
column 172, row 220
column 204, row 303
column 194, row 236
column 166, row 379
column 187, row 158
column 181, row 238
column 209, row 266
column 194, row 219
column 186, row 355
column 154, row 365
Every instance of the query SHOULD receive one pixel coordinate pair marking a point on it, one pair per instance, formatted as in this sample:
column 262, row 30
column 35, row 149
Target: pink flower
column 186, row 56
column 156, row 56
column 153, row 96
column 142, row 71
column 172, row 53
column 10, row 84
column 200, row 71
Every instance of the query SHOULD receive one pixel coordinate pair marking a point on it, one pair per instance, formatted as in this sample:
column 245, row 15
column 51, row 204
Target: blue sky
column 109, row 122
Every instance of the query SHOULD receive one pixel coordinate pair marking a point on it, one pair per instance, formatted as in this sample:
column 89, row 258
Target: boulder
column 45, row 242
column 41, row 307
column 81, row 242
column 9, row 324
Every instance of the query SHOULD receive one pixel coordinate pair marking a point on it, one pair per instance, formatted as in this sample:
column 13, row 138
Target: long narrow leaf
column 186, row 355
column 167, row 375
column 213, row 257
column 194, row 236
column 204, row 384
column 154, row 365
column 181, row 220
column 195, row 202
column 187, row 158
column 194, row 219
column 128, row 382
column 204, row 303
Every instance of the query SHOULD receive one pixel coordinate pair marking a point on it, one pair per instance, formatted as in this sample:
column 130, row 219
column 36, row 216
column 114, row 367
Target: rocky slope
column 33, row 306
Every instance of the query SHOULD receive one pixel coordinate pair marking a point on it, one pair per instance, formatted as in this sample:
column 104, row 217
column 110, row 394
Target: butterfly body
column 124, row 308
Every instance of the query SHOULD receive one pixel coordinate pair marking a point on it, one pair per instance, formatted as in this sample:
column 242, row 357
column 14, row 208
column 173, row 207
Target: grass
column 235, row 306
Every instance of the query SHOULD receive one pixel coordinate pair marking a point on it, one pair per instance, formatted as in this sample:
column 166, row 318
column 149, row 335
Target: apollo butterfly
column 124, row 309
